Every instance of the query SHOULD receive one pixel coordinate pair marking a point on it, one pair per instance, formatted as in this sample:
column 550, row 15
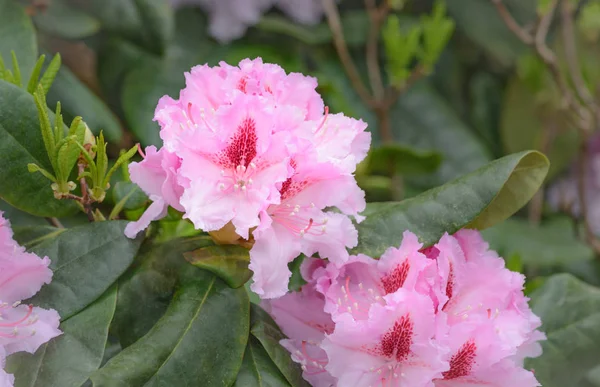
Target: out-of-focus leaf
column 228, row 262
column 526, row 124
column 17, row 34
column 86, row 261
column 62, row 19
column 570, row 313
column 401, row 159
column 21, row 144
column 135, row 200
column 477, row 200
column 480, row 22
column 551, row 244
column 145, row 290
column 69, row 359
column 257, row 368
column 77, row 100
column 201, row 337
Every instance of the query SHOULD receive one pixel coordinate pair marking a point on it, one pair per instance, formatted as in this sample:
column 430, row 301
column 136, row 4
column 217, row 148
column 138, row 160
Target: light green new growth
column 437, row 30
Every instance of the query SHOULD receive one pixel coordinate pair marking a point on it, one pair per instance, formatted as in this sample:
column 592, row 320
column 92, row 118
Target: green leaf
column 68, row 360
column 257, row 368
column 86, row 261
column 50, row 73
column 553, row 243
column 159, row 23
column 16, row 69
column 403, row 159
column 78, row 100
column 268, row 334
column 228, row 262
column 134, row 201
column 35, row 75
column 123, row 158
column 526, row 119
column 480, row 22
column 189, row 343
column 17, row 33
column 21, row 144
column 148, row 286
column 66, row 21
column 570, row 312
column 29, row 236
column 477, row 200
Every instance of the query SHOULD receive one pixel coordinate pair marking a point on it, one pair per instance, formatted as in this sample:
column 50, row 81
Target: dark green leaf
column 30, row 236
column 146, row 289
column 20, row 144
column 553, row 243
column 17, row 33
column 78, row 100
column 69, row 359
column 402, row 159
column 228, row 262
column 257, row 368
column 477, row 200
column 268, row 334
column 189, row 344
column 135, row 200
column 158, row 21
column 86, row 261
column 480, row 22
column 62, row 19
column 570, row 312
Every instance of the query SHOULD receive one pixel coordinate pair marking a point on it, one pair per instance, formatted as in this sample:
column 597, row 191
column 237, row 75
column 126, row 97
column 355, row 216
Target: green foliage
column 487, row 196
column 401, row 49
column 395, row 158
column 68, row 360
column 437, row 30
column 570, row 312
column 86, row 261
column 18, row 35
column 230, row 263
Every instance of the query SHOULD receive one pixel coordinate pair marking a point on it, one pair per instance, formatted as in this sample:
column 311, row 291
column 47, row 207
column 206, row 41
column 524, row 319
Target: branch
column 512, row 24
column 333, row 19
column 377, row 16
column 55, row 222
column 85, row 200
column 581, row 176
column 393, row 93
column 571, row 55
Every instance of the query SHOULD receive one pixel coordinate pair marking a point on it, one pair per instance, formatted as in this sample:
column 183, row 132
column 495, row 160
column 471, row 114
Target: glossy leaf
column 189, row 343
column 228, row 262
column 268, row 334
column 30, row 236
column 86, row 261
column 69, row 359
column 21, row 144
column 17, row 33
column 570, row 312
column 257, row 368
column 477, row 200
column 553, row 243
column 135, row 197
column 148, row 286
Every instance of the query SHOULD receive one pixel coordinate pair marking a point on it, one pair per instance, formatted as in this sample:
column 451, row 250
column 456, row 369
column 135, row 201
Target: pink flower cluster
column 253, row 149
column 447, row 316
column 22, row 327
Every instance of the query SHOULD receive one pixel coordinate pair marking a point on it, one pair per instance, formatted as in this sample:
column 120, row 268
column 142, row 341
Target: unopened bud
column 89, row 141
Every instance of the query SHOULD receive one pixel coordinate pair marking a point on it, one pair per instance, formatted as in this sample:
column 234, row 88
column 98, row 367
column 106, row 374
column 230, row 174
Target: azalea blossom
column 22, row 274
column 252, row 151
column 450, row 315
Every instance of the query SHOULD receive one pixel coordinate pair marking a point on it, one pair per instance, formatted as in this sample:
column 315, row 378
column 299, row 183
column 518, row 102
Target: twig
column 85, row 200
column 393, row 93
column 570, row 47
column 333, row 19
column 377, row 16
column 55, row 222
column 512, row 24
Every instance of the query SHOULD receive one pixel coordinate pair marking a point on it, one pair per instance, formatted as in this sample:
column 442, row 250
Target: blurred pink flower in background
column 22, row 327
column 229, row 19
column 448, row 316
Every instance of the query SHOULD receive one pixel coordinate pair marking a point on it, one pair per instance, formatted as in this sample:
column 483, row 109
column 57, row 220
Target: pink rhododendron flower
column 446, row 316
column 22, row 274
column 302, row 319
column 252, row 148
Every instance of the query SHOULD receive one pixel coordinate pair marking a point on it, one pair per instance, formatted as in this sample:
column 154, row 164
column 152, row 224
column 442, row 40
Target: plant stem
column 85, row 200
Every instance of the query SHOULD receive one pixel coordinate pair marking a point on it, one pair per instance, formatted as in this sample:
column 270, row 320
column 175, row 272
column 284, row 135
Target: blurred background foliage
column 465, row 90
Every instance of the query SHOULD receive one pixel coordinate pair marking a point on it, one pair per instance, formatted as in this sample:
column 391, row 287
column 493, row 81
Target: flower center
column 462, row 362
column 14, row 320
